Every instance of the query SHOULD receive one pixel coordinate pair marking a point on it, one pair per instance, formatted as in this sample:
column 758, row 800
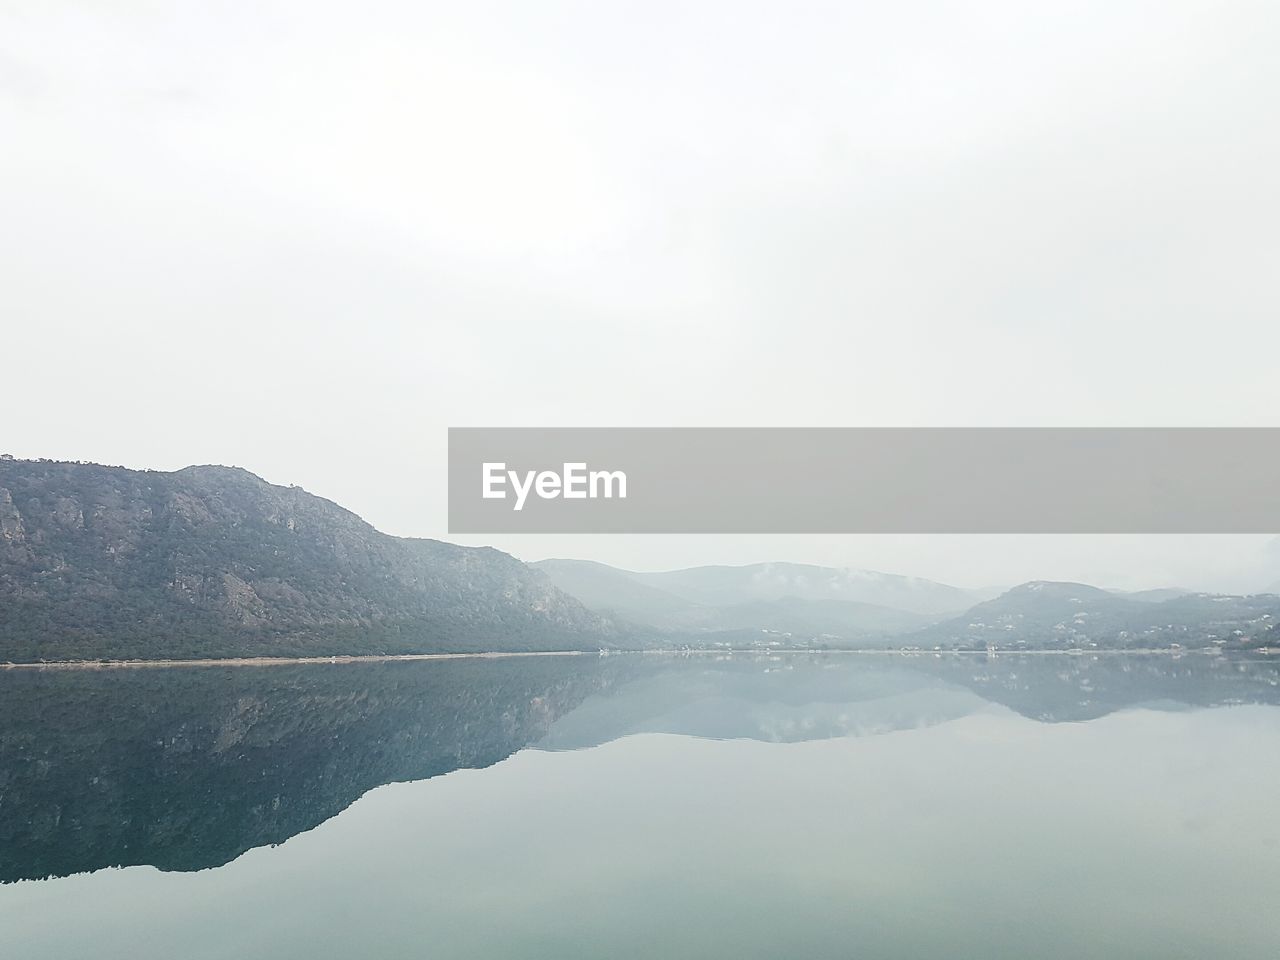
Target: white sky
column 305, row 238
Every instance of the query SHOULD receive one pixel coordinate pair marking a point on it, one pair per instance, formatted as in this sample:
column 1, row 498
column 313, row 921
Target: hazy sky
column 305, row 238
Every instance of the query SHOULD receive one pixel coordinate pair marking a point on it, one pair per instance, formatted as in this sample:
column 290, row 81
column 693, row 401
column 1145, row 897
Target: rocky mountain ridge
column 107, row 562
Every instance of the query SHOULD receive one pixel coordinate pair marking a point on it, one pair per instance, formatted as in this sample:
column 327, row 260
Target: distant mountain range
column 1049, row 615
column 107, row 563
column 785, row 604
column 104, row 562
column 786, row 598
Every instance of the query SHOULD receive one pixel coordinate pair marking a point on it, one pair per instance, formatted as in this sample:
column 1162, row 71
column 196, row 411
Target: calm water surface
column 641, row 806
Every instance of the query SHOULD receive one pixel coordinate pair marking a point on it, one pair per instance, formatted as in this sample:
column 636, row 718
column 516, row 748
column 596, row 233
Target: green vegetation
column 103, row 562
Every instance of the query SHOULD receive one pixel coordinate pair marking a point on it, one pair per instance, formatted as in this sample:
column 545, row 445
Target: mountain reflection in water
column 185, row 769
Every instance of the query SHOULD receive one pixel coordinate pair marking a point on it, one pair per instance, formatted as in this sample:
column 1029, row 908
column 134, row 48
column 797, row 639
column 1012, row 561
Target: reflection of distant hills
column 781, row 699
column 1073, row 687
column 187, row 768
column 807, row 698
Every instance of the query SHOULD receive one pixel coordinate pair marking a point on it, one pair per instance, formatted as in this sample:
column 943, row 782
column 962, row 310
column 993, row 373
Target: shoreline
column 284, row 661
column 502, row 655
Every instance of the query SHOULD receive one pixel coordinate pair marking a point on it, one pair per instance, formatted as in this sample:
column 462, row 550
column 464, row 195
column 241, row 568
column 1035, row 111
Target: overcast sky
column 305, row 238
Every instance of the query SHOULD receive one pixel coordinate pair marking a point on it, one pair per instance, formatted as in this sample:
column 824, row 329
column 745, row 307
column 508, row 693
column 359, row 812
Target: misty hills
column 107, row 563
column 722, row 585
column 210, row 561
column 782, row 604
column 1050, row 615
column 786, row 598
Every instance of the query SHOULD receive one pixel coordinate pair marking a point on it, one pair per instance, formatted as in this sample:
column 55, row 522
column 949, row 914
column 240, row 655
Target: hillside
column 604, row 588
column 725, row 585
column 210, row 561
column 1051, row 615
column 108, row 563
column 805, row 603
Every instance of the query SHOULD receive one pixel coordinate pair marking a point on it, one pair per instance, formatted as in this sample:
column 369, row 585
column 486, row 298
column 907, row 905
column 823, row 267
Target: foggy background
column 305, row 238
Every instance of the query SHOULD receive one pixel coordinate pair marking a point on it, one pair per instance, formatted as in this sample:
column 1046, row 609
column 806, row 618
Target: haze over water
column 645, row 806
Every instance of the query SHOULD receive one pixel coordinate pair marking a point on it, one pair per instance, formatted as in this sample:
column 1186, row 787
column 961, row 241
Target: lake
column 795, row 805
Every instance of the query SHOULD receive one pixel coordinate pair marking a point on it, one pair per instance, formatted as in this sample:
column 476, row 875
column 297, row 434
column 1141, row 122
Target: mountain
column 1153, row 596
column 602, row 587
column 805, row 603
column 1048, row 615
column 841, row 619
column 211, row 561
column 724, row 585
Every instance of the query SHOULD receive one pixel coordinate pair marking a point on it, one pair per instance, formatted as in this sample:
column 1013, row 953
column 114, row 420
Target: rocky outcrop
column 102, row 561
